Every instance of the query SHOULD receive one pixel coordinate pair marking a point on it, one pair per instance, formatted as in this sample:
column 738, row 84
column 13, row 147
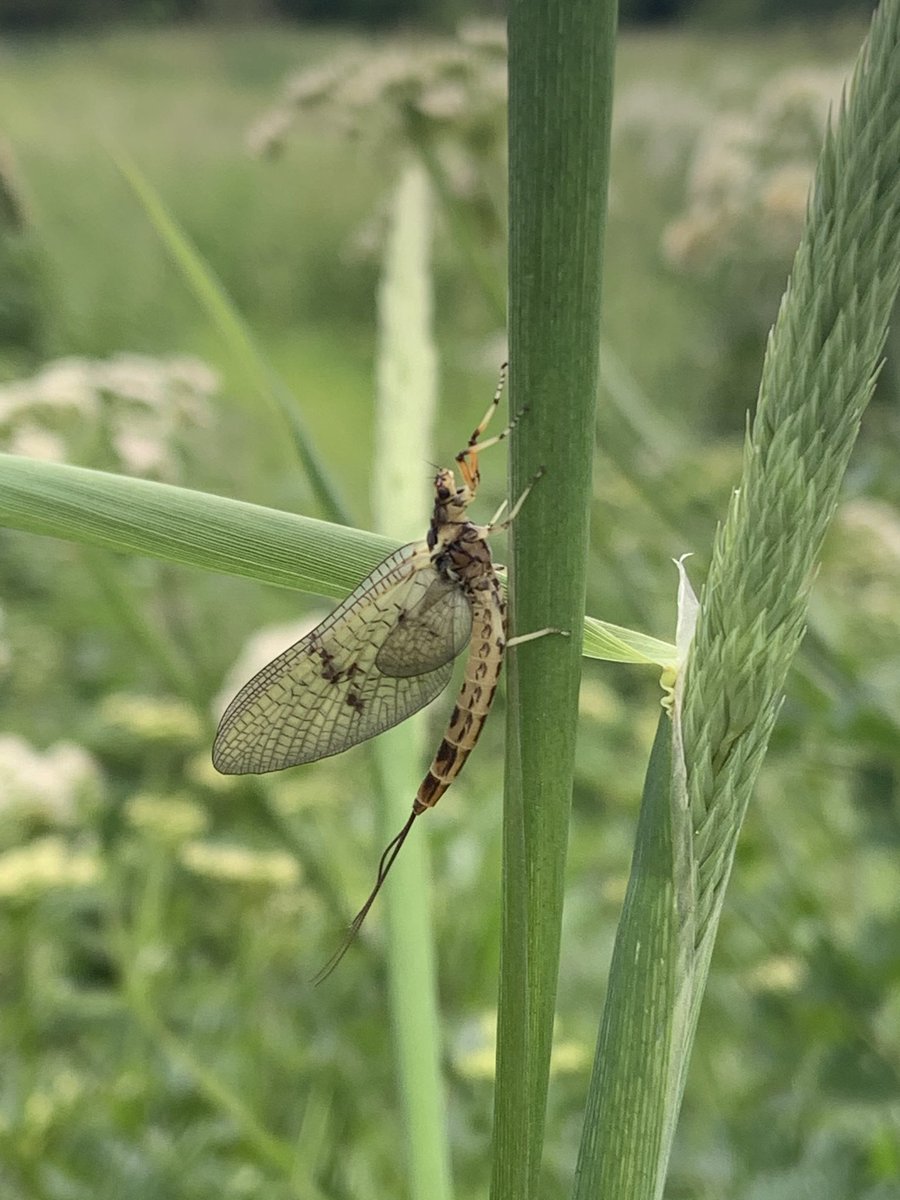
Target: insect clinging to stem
column 387, row 651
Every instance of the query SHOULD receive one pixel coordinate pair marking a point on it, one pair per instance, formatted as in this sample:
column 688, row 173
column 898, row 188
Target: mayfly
column 385, row 653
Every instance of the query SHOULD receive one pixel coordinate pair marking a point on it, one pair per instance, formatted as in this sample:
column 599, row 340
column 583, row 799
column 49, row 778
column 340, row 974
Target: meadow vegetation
column 159, row 923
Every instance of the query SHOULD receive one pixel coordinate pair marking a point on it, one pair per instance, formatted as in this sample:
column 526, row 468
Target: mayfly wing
column 383, row 654
column 429, row 632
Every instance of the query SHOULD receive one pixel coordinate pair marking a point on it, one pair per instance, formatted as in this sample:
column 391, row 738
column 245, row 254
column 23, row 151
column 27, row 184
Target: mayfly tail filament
column 391, row 850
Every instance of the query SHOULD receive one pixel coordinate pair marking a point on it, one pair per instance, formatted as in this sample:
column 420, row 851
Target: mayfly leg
column 488, row 416
column 492, row 526
column 467, row 459
column 538, row 633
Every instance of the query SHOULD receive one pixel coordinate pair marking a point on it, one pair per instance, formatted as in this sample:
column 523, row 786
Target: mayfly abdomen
column 483, row 665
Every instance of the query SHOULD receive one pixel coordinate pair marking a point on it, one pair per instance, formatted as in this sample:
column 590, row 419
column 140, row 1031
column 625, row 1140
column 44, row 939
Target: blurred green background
column 155, row 931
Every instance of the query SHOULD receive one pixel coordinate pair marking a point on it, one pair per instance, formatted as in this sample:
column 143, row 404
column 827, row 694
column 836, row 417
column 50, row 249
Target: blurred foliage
column 158, row 923
column 21, row 269
column 35, row 15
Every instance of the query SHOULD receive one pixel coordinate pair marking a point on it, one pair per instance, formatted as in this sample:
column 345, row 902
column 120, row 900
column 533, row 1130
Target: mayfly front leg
column 467, row 460
column 493, row 527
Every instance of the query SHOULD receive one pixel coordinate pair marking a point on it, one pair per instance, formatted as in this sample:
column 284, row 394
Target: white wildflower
column 134, row 377
column 50, row 784
column 144, row 402
column 484, row 33
column 749, row 176
column 31, row 441
column 16, row 399
column 67, row 383
column 143, row 452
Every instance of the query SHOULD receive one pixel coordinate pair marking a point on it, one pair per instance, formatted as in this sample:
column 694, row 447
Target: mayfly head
column 450, row 501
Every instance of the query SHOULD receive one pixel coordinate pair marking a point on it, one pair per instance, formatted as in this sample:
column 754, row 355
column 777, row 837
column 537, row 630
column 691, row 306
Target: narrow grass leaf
column 258, row 373
column 178, row 525
column 624, row 1121
column 198, row 529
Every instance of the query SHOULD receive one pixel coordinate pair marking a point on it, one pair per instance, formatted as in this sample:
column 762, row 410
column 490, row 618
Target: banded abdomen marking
column 476, row 693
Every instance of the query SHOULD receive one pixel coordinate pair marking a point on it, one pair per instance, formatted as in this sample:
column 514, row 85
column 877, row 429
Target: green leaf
column 197, row 529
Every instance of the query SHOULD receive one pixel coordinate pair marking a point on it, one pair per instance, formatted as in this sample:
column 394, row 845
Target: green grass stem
column 406, row 401
column 269, row 1150
column 108, row 576
column 560, row 91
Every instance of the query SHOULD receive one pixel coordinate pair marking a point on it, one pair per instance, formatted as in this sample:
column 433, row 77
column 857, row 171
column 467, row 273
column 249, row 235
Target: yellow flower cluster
column 46, row 865
column 238, row 864
column 150, row 718
column 168, row 819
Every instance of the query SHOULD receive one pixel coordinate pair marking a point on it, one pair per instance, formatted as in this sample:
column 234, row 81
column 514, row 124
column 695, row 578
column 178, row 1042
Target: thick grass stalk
column 406, row 398
column 819, row 373
column 560, row 89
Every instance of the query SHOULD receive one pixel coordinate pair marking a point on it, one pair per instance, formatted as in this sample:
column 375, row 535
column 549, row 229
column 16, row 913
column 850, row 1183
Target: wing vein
column 380, row 656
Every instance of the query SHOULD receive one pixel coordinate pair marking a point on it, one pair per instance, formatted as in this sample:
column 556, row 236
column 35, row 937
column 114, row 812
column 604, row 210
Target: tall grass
column 819, row 373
